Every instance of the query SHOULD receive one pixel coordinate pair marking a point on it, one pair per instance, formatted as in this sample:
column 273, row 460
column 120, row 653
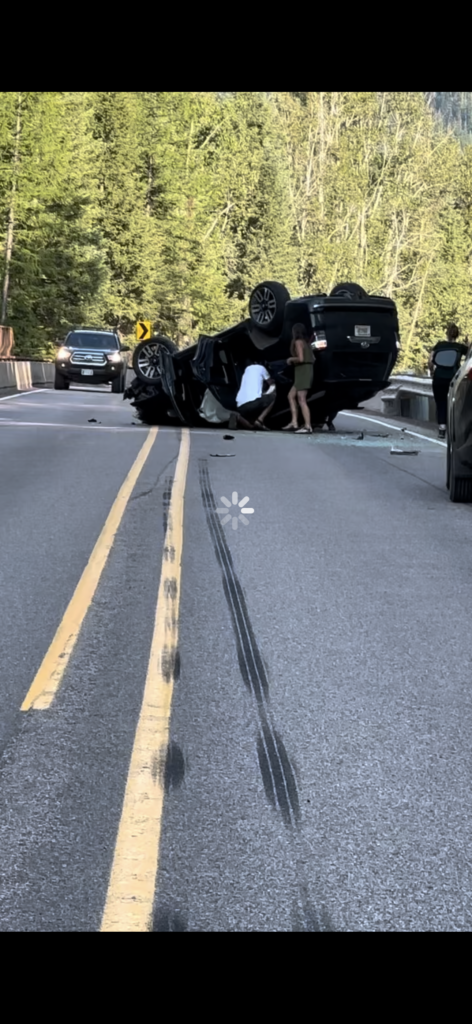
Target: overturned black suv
column 355, row 338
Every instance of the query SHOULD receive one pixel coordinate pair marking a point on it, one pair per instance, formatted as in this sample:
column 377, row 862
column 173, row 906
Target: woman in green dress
column 302, row 358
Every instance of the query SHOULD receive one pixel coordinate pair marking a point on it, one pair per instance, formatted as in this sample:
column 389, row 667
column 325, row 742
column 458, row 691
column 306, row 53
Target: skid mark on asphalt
column 166, row 502
column 169, row 920
column 306, row 918
column 277, row 773
column 173, row 769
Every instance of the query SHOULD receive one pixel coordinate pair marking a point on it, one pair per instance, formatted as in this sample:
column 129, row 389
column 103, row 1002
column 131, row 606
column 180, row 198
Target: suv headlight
column 63, row 353
column 114, row 357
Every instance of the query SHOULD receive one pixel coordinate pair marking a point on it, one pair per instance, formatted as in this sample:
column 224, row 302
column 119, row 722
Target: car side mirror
column 125, row 348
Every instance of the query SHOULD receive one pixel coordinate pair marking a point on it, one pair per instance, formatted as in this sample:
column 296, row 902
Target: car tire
column 60, row 384
column 267, row 307
column 348, row 290
column 448, row 465
column 118, row 385
column 460, row 488
column 145, row 357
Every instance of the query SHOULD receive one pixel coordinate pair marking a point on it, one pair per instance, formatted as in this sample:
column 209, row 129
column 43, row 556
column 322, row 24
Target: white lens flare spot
column 227, row 516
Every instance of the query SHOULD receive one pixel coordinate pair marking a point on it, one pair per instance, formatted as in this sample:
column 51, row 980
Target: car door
column 460, row 405
column 166, row 365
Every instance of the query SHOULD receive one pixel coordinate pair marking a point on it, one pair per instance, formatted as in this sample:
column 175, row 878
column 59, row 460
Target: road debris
column 403, row 451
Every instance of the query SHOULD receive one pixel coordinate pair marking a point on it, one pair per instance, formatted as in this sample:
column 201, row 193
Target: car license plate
column 362, row 332
column 87, row 373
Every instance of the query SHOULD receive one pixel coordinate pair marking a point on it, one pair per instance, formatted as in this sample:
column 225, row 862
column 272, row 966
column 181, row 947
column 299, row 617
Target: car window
column 89, row 339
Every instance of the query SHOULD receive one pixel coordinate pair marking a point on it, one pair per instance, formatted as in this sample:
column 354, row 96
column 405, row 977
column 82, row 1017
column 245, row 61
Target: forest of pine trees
column 170, row 207
column 455, row 110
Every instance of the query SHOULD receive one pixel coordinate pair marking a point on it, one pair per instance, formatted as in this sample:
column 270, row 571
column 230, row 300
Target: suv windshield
column 88, row 339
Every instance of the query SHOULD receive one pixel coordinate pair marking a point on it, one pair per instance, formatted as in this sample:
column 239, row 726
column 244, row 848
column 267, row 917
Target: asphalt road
column 317, row 769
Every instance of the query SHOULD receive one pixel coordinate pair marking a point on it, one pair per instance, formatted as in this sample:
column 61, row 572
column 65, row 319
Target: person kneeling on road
column 254, row 402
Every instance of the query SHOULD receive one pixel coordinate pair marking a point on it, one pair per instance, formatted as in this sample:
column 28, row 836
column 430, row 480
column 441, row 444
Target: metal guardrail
column 410, row 397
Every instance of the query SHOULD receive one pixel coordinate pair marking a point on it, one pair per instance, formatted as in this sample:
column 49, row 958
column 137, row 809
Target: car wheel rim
column 148, row 361
column 263, row 306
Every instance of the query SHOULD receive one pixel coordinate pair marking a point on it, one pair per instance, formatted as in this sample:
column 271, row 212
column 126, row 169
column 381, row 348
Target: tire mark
column 277, row 773
column 166, row 919
column 166, row 502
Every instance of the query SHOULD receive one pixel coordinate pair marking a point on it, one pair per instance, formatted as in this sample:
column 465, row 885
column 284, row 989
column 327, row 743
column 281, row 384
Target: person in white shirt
column 254, row 402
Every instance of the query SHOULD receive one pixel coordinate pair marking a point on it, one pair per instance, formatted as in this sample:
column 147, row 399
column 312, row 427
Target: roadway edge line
column 49, row 676
column 133, row 877
column 21, row 394
column 403, row 430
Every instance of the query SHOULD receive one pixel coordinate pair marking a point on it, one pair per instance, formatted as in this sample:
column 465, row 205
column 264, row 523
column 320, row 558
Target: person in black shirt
column 444, row 362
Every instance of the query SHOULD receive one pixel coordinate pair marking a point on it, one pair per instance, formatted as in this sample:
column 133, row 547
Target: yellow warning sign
column 143, row 330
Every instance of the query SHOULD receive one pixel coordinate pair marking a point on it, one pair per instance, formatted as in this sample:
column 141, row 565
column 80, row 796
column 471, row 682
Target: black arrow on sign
column 144, row 329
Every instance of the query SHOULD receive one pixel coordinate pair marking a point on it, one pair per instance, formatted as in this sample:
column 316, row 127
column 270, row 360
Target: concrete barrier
column 42, row 374
column 24, row 374
column 7, row 375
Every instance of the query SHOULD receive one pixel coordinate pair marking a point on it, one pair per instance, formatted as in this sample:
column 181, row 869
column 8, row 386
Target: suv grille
column 81, row 357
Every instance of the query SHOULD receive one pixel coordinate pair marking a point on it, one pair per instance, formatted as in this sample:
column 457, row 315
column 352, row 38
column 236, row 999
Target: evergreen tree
column 56, row 264
column 125, row 230
column 171, row 207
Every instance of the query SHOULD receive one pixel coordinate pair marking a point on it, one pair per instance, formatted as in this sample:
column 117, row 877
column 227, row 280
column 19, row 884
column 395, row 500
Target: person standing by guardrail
column 444, row 362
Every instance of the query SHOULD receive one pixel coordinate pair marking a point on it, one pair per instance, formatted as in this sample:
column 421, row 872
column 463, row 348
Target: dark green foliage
column 170, row 207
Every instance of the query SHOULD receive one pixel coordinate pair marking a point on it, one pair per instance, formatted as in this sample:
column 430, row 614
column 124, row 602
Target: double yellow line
column 129, row 903
column 130, row 896
column 48, row 679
